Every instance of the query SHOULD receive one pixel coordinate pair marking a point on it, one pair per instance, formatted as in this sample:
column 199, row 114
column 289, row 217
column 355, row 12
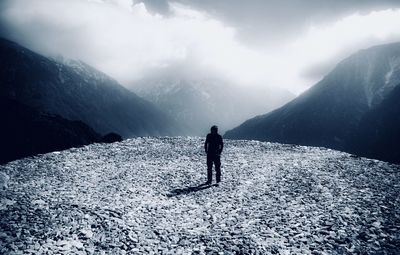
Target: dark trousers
column 216, row 159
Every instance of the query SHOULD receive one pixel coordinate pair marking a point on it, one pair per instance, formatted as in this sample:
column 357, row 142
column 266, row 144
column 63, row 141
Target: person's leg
column 217, row 162
column 209, row 168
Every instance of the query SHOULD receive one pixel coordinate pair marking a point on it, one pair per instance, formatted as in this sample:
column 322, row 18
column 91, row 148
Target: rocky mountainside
column 143, row 196
column 77, row 91
column 378, row 134
column 330, row 113
column 199, row 103
column 25, row 131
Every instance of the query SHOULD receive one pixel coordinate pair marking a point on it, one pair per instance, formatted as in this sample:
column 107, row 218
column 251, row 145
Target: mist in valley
column 204, row 63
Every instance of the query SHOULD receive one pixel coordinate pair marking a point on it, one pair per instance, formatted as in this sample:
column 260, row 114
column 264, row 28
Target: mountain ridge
column 198, row 103
column 329, row 113
column 78, row 92
column 25, row 132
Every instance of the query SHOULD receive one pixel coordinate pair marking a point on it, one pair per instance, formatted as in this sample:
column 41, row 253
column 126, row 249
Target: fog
column 287, row 44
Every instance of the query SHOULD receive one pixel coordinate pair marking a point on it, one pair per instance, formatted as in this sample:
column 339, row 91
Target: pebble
column 119, row 199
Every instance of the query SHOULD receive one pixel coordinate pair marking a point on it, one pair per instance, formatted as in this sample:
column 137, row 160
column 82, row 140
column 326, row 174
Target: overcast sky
column 289, row 44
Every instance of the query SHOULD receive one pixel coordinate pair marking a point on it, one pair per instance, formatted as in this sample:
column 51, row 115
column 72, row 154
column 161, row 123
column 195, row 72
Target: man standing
column 213, row 147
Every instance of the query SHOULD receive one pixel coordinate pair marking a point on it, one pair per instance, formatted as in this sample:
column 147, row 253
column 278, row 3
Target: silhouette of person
column 213, row 147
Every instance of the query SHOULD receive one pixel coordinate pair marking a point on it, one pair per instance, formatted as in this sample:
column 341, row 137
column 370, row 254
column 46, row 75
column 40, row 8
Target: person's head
column 214, row 129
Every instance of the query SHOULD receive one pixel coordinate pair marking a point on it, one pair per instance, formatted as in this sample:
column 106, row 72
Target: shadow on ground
column 188, row 190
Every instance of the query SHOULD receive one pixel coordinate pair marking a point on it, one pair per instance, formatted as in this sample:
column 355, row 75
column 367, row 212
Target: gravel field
column 144, row 196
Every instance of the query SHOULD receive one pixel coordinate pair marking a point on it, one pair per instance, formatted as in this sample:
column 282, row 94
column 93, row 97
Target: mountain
column 76, row 91
column 378, row 135
column 198, row 103
column 330, row 113
column 144, row 196
column 25, row 131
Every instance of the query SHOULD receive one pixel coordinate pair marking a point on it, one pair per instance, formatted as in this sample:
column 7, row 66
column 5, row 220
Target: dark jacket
column 213, row 144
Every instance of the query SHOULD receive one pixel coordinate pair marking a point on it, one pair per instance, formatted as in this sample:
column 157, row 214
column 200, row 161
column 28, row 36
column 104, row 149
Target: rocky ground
column 142, row 196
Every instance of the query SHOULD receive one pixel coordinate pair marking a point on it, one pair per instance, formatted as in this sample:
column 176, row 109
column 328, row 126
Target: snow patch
column 394, row 64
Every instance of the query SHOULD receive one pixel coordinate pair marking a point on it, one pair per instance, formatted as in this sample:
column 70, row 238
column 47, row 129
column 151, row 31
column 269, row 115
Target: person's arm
column 206, row 144
column 221, row 145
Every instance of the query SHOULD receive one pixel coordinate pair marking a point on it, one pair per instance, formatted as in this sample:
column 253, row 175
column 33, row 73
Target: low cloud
column 123, row 39
column 322, row 47
column 127, row 40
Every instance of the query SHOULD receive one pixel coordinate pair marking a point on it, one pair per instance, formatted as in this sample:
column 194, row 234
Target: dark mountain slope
column 77, row 91
column 25, row 131
column 378, row 135
column 329, row 113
